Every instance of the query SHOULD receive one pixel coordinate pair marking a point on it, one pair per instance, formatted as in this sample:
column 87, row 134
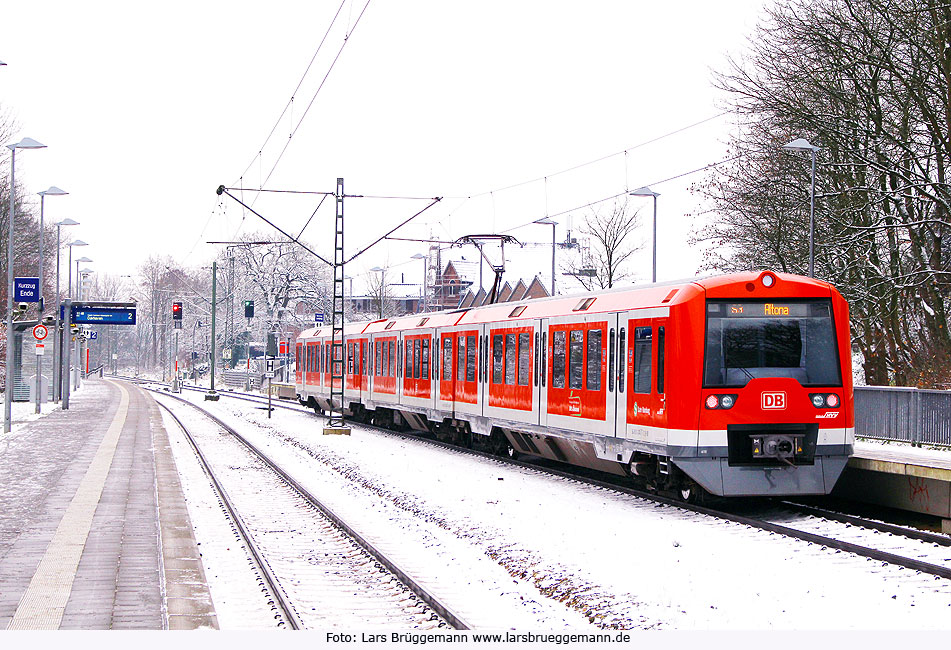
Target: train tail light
column 721, row 402
column 825, row 400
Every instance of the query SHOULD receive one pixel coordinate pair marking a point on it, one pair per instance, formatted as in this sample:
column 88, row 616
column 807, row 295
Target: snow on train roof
column 606, row 300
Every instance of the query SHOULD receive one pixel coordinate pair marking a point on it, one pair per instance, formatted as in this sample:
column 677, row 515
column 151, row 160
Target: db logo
column 774, row 400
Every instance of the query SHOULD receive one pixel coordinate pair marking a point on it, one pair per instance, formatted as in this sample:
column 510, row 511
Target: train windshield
column 747, row 340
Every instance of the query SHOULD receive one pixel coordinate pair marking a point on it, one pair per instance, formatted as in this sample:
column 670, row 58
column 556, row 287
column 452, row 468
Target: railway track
column 342, row 576
column 924, row 552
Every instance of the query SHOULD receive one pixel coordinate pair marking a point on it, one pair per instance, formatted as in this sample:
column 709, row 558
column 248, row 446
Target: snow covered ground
column 575, row 556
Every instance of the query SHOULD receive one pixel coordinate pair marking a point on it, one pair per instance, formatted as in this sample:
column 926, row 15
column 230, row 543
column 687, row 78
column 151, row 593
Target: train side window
column 447, row 358
column 498, row 360
column 511, row 358
column 594, row 359
column 377, row 358
column 349, row 358
column 535, row 363
column 622, row 359
column 524, row 358
column 642, row 359
column 558, row 359
column 424, row 360
column 544, row 368
column 470, row 357
column 660, row 360
column 612, row 355
column 576, row 359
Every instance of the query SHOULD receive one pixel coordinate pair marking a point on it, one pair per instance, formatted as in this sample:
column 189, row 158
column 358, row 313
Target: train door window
column 385, row 358
column 558, row 359
column 535, row 363
column 524, row 358
column 461, row 359
column 498, row 360
column 435, row 353
column 511, row 358
column 416, row 358
column 367, row 359
column 408, row 358
column 424, row 359
column 594, row 359
column 642, row 359
column 447, row 358
column 622, row 359
column 660, row 360
column 576, row 359
column 544, row 368
column 377, row 358
column 470, row 358
column 612, row 355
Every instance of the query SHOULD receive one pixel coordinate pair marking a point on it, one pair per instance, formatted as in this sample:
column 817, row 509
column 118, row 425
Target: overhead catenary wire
column 346, row 39
column 290, row 103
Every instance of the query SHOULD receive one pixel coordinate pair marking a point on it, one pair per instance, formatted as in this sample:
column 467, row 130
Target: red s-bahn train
column 738, row 385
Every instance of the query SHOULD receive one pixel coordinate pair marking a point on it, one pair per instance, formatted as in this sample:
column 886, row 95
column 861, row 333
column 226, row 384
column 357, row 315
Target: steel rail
column 862, row 551
column 881, row 526
column 290, row 614
column 443, row 610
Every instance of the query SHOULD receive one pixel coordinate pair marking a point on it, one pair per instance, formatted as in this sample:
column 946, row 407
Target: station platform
column 899, row 476
column 94, row 531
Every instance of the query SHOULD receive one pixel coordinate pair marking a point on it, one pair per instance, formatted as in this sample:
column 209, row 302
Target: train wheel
column 690, row 492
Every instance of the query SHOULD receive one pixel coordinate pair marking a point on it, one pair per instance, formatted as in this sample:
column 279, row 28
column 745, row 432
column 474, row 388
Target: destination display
column 776, row 309
column 96, row 314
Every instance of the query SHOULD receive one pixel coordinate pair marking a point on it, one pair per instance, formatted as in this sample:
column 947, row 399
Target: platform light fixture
column 646, row 191
column 805, row 145
column 25, row 143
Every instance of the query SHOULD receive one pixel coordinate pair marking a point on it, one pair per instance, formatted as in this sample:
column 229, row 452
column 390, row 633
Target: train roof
column 616, row 299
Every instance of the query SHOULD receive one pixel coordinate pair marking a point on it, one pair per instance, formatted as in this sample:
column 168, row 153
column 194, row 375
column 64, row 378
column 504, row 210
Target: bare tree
column 609, row 244
column 867, row 81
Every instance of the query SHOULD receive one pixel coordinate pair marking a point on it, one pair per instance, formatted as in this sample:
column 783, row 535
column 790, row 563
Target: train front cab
column 775, row 393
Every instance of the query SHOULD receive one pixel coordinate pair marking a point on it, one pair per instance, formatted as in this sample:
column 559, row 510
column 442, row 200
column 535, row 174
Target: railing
column 910, row 415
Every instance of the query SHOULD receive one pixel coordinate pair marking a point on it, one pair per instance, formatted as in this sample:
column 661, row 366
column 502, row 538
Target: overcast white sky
column 147, row 108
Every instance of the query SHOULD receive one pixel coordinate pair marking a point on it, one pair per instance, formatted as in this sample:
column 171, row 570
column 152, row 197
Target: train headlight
column 769, row 280
column 723, row 402
column 825, row 400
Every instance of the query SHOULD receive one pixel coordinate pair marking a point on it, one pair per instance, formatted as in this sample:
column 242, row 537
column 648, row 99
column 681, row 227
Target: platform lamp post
column 546, row 221
column 420, row 256
column 79, row 298
column 57, row 333
column 52, row 191
column 66, row 350
column 646, row 191
column 382, row 272
column 83, row 357
column 25, row 143
column 802, row 143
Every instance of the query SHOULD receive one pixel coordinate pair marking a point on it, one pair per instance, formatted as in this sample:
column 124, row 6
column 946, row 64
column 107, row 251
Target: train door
column 623, row 372
column 444, row 370
column 613, row 403
column 660, row 354
column 646, row 412
column 544, row 373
